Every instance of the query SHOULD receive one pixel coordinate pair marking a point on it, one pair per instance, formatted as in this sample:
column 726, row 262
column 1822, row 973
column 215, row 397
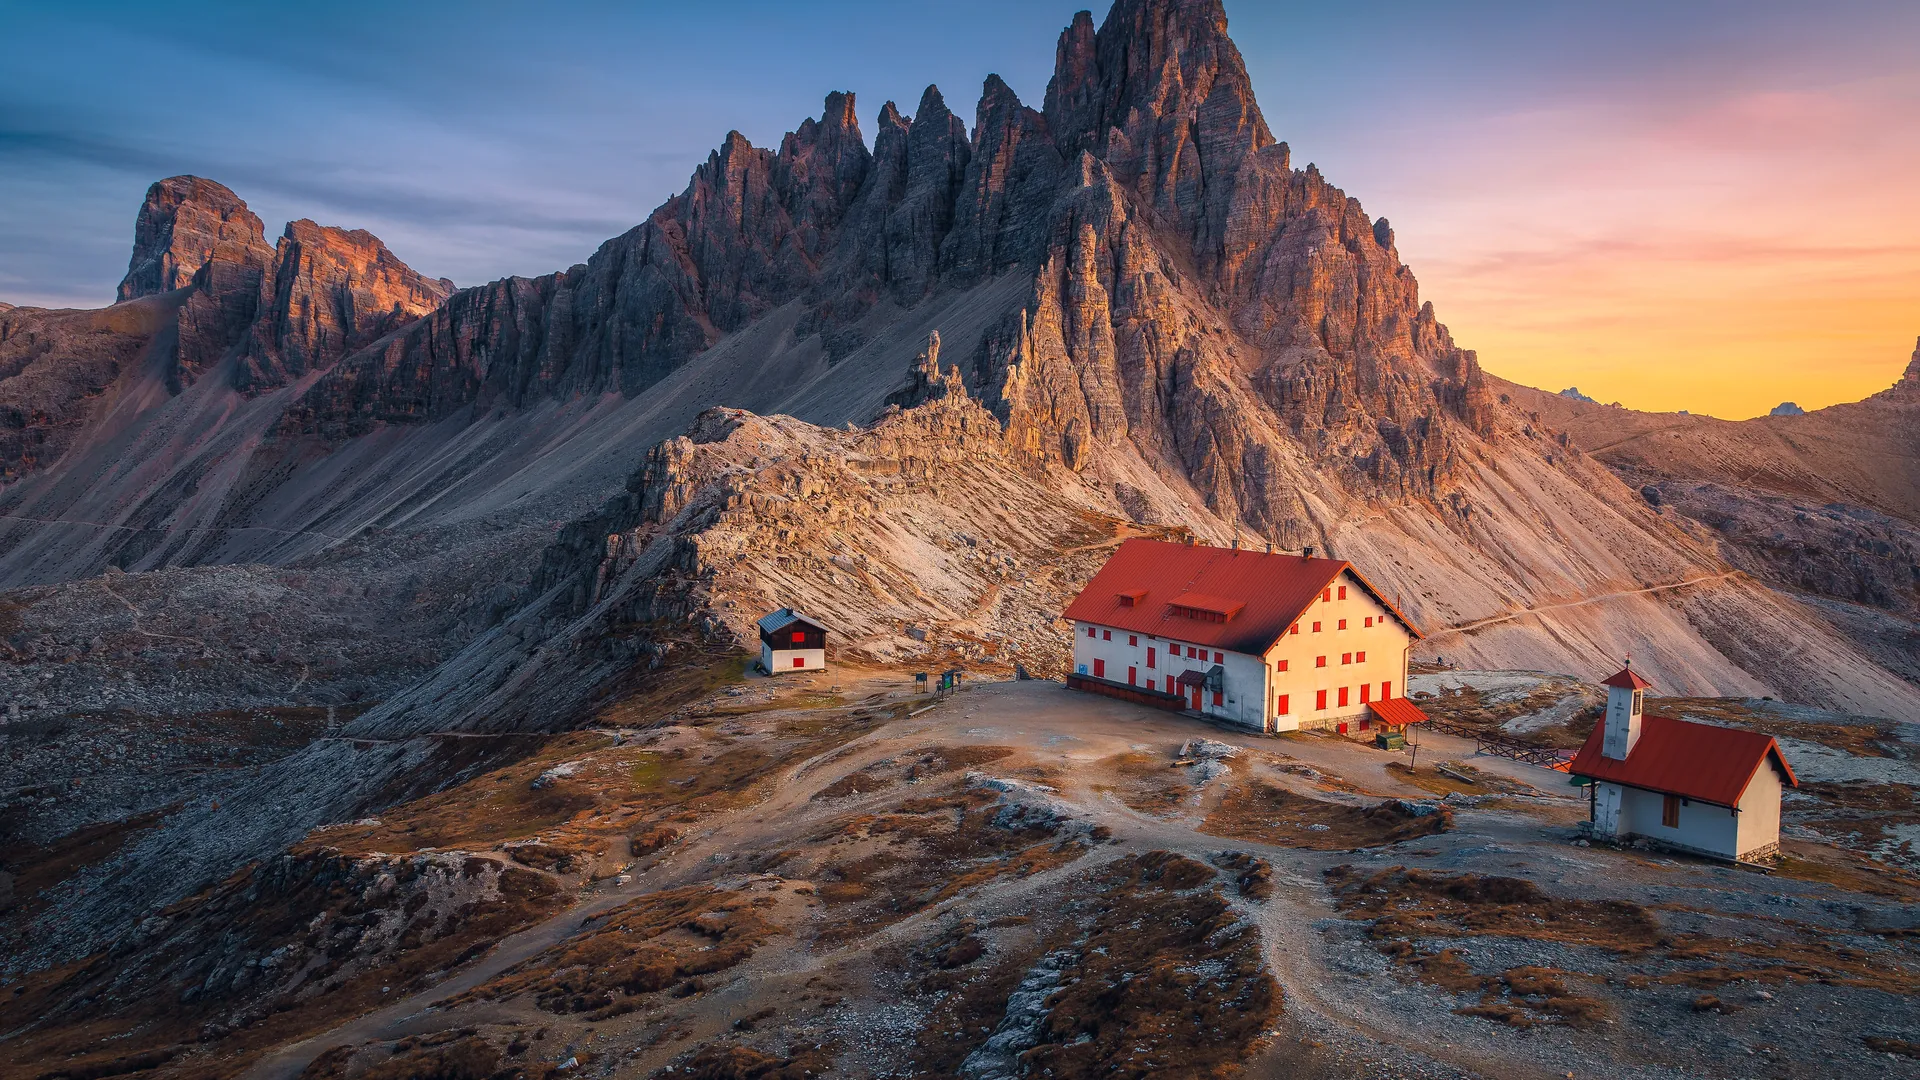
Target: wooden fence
column 1483, row 743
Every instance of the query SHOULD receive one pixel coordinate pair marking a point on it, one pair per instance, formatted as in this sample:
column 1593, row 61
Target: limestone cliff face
column 185, row 223
column 1196, row 303
column 331, row 292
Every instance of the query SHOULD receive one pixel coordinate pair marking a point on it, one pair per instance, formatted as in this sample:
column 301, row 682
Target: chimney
column 1269, row 547
column 1622, row 723
column 1306, row 553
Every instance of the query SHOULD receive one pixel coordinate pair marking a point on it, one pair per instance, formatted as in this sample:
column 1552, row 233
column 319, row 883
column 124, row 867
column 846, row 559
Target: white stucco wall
column 780, row 661
column 1625, row 811
column 1386, row 644
column 1760, row 810
column 1254, row 685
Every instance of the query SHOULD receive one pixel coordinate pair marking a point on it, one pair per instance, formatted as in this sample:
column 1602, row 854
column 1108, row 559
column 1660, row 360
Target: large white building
column 1699, row 787
column 1272, row 642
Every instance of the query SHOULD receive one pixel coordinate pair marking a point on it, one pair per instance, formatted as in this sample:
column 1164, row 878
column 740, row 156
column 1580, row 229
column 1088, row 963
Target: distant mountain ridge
column 1133, row 279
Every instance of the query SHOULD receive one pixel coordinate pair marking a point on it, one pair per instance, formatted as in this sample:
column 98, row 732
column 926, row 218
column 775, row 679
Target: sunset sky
column 1708, row 206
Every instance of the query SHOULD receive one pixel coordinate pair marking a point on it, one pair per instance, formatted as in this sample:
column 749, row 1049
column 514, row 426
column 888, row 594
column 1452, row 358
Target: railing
column 1544, row 756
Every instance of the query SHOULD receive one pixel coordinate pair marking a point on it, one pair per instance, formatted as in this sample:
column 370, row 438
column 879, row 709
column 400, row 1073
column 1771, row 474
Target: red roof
column 1627, row 680
column 1679, row 757
column 1397, row 711
column 1257, row 596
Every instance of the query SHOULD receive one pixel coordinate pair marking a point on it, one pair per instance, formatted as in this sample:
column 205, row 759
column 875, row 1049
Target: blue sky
column 1618, row 196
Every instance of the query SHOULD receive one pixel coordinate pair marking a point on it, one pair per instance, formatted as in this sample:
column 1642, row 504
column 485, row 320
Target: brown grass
column 463, row 1054
column 929, row 849
column 1865, row 738
column 734, row 1062
column 1893, row 1046
column 1149, row 783
column 637, row 949
column 1180, row 989
column 1408, row 903
column 1432, row 780
column 1272, row 814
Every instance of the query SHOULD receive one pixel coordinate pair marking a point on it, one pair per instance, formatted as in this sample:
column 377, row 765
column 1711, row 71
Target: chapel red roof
column 1256, row 596
column 1626, row 679
column 1678, row 757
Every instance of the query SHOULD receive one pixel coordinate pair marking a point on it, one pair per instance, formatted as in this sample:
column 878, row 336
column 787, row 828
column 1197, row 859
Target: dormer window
column 1132, row 597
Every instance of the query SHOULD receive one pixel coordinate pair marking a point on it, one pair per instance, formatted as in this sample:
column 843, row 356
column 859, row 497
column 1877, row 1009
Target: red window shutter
column 1316, row 628
column 1369, row 620
column 1149, row 663
column 1192, row 653
column 1282, row 708
column 799, row 636
column 1343, row 624
column 1343, row 592
column 1343, row 696
column 1106, row 635
column 1346, row 658
column 1386, row 690
column 1295, row 629
column 1132, row 675
column 1133, row 640
column 1149, row 684
column 1217, row 697
column 1365, row 689
column 1089, row 631
column 1219, row 658
column 1319, row 661
column 1360, row 657
column 1320, row 700
column 1326, row 597
column 1282, row 666
column 1366, row 723
column 1099, row 668
column 799, row 661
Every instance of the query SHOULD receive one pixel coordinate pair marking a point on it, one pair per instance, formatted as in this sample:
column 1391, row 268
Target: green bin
column 1390, row 740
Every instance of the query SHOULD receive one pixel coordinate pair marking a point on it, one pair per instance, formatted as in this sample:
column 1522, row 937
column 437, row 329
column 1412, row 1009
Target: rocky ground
column 835, row 875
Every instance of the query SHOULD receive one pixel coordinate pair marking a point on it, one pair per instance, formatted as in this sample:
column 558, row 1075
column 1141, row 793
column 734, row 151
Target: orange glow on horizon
column 1719, row 256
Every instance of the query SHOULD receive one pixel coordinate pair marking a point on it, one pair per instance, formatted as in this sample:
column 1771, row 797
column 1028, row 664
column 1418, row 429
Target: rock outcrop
column 185, row 223
column 331, row 292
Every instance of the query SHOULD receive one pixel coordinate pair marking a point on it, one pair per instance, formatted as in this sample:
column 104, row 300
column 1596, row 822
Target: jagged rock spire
column 185, row 222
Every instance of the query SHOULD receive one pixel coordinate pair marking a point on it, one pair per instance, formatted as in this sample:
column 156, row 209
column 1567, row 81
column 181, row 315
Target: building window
column 1386, row 690
column 1327, row 597
column 1295, row 630
column 1369, row 620
column 1219, row 658
column 1343, row 697
column 1281, row 666
column 1366, row 723
column 1132, row 675
column 1089, row 631
column 1364, row 689
column 1099, row 668
column 1346, row 658
column 1320, row 700
column 1316, row 628
column 1343, row 592
column 1280, row 709
column 1670, row 812
column 799, row 661
column 1149, row 664
column 1360, row 657
column 1106, row 635
column 1319, row 661
column 1149, row 684
column 1636, row 703
column 1343, row 624
column 1133, row 640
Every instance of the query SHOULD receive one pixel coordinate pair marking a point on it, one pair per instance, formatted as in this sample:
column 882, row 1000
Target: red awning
column 1193, row 677
column 1395, row 712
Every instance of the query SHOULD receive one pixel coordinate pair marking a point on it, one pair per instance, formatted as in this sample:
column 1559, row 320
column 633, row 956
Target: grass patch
column 1272, row 814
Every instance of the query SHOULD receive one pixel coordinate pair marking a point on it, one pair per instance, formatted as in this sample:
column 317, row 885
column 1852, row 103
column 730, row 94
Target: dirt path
column 1047, row 723
column 1523, row 612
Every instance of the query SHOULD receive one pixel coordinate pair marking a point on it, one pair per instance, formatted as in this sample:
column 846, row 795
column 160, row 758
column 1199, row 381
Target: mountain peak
column 185, row 222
